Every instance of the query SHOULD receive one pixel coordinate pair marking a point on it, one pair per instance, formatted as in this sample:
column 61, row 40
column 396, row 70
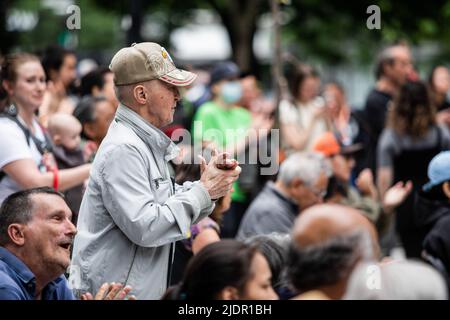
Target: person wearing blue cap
column 433, row 212
column 439, row 172
column 432, row 202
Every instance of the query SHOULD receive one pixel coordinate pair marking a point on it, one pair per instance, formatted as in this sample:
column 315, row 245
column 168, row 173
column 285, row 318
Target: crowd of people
column 100, row 199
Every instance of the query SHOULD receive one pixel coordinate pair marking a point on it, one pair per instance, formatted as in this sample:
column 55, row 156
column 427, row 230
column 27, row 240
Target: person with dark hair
column 225, row 270
column 25, row 151
column 302, row 120
column 59, row 64
column 393, row 67
column 411, row 133
column 327, row 243
column 439, row 82
column 95, row 115
column 36, row 234
column 274, row 247
column 60, row 69
column 99, row 82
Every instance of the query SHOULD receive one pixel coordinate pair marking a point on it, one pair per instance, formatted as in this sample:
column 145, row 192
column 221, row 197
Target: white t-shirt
column 301, row 115
column 13, row 147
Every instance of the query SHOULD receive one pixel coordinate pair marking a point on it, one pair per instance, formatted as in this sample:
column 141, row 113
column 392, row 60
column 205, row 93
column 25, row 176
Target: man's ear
column 229, row 293
column 56, row 139
column 16, row 234
column 295, row 183
column 140, row 94
column 446, row 189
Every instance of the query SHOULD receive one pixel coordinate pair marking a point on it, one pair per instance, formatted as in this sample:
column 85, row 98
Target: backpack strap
column 42, row 146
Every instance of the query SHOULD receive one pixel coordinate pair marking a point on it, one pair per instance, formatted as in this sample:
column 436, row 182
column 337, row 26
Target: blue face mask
column 231, row 92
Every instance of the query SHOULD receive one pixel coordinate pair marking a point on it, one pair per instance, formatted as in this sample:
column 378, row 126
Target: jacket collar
column 271, row 187
column 20, row 268
column 152, row 136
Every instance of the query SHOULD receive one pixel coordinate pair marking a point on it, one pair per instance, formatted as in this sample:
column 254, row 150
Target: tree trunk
column 8, row 39
column 239, row 18
column 134, row 33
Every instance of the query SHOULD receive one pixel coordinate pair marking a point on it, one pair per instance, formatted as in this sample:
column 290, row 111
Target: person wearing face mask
column 221, row 123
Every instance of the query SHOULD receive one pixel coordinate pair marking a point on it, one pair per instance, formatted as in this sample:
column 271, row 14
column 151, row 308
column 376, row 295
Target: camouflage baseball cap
column 147, row 61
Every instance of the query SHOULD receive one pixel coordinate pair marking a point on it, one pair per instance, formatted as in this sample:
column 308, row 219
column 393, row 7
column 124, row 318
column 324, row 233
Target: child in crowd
column 64, row 130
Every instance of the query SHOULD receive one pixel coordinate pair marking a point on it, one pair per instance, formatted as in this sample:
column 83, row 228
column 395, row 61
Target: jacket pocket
column 163, row 189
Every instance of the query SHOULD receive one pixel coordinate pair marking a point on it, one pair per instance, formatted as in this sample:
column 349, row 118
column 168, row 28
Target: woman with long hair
column 225, row 270
column 25, row 158
column 439, row 82
column 303, row 117
column 408, row 143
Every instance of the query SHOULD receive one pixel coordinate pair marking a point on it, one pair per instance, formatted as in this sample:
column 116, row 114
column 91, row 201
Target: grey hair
column 307, row 166
column 397, row 280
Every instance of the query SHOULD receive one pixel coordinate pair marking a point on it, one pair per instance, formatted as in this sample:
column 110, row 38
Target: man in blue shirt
column 36, row 234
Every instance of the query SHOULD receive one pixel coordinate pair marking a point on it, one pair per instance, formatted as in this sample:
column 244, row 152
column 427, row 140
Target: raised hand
column 110, row 291
column 218, row 182
column 396, row 194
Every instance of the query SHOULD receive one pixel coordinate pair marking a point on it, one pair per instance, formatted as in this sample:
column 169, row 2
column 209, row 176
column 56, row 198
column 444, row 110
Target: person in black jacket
column 433, row 212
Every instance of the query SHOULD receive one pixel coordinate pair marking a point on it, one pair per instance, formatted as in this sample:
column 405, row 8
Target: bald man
column 328, row 241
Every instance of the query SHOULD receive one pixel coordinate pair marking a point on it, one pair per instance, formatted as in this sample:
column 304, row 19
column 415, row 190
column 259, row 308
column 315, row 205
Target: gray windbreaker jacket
column 131, row 212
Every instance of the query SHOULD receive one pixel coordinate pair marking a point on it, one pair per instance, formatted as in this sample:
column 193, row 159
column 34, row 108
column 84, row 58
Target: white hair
column 307, row 166
column 397, row 280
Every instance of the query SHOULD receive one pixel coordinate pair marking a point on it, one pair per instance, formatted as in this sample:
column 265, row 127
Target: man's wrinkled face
column 161, row 102
column 401, row 67
column 50, row 232
column 306, row 195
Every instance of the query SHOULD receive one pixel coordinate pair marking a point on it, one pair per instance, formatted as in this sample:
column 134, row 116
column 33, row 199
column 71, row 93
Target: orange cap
column 327, row 144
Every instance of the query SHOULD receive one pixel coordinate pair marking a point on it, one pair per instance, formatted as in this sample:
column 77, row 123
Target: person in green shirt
column 223, row 125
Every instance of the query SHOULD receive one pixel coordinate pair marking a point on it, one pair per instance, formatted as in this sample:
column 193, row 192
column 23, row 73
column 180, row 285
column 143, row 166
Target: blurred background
column 330, row 35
